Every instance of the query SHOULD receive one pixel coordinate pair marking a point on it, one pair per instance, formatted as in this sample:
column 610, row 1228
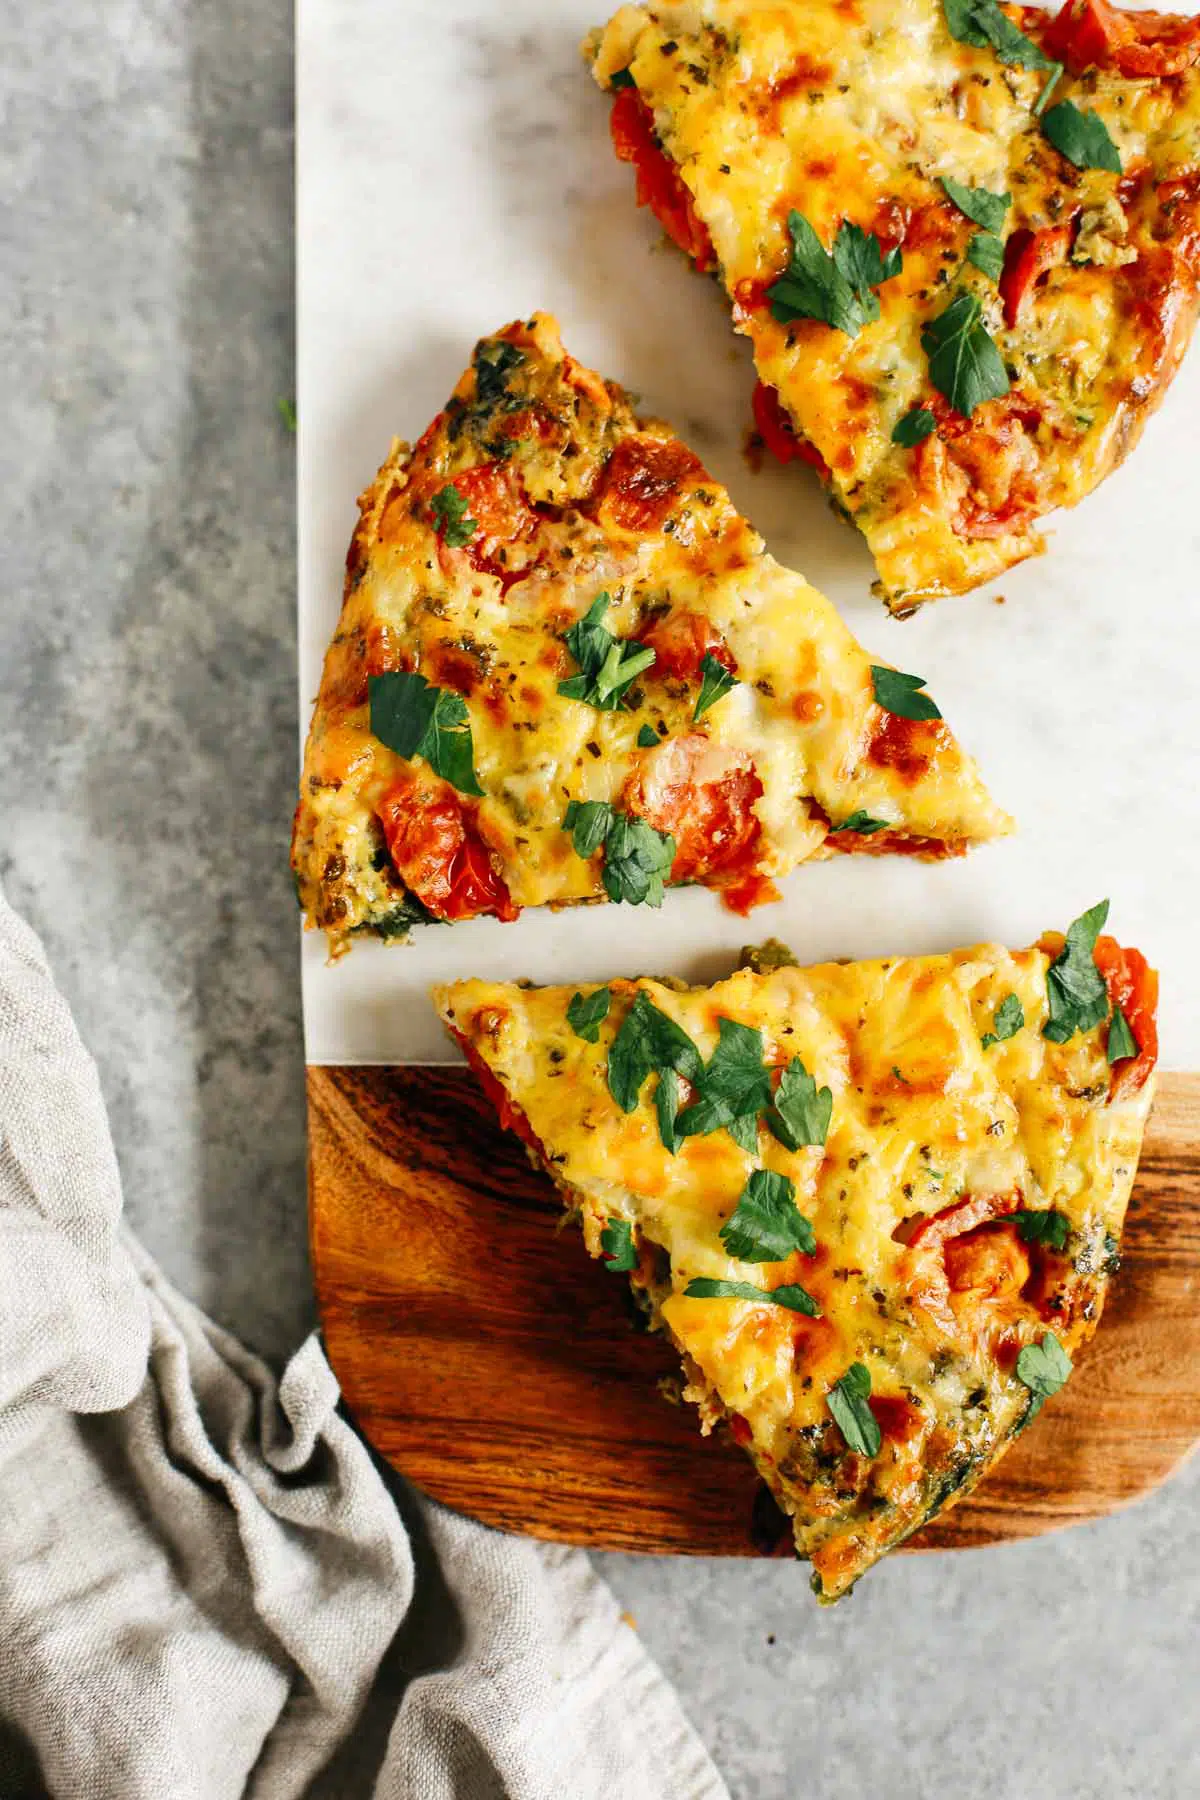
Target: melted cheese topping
column 576, row 497
column 925, row 1120
column 855, row 109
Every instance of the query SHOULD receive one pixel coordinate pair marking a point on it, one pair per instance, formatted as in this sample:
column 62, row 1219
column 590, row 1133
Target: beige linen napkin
column 206, row 1586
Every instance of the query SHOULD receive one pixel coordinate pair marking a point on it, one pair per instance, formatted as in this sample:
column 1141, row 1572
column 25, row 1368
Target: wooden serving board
column 491, row 1361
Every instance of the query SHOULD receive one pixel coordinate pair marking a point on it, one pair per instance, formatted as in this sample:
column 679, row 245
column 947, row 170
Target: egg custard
column 566, row 669
column 874, row 1206
column 963, row 239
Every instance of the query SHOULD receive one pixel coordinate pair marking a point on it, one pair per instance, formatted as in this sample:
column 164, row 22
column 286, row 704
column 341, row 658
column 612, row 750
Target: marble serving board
column 454, row 172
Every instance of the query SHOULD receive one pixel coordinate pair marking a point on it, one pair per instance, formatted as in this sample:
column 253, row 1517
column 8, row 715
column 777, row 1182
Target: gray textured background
column 148, row 744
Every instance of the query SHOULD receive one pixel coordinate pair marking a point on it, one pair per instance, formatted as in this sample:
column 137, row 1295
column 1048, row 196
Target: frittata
column 963, row 239
column 566, row 669
column 874, row 1205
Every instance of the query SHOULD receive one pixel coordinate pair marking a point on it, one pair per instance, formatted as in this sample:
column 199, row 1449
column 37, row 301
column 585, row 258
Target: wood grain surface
column 490, row 1360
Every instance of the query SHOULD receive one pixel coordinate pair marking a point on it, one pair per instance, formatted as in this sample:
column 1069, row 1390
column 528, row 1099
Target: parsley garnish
column 862, row 822
column 981, row 24
column 616, row 1245
column 964, row 363
column 287, row 411
column 792, row 1295
column 1121, row 1041
column 637, row 859
column 648, row 1041
column 1046, row 1227
column 987, row 254
column 608, row 665
column 838, row 286
column 980, row 205
column 1007, row 1020
column 621, row 78
column 1078, row 998
column 898, row 693
column 917, row 424
column 495, row 360
column 1043, row 1368
column 585, row 1016
column 413, row 718
column 766, row 1225
column 847, row 1400
column 1082, row 137
column 802, row 1111
column 648, row 738
column 454, row 521
column 666, row 1107
column 733, row 1087
column 716, row 683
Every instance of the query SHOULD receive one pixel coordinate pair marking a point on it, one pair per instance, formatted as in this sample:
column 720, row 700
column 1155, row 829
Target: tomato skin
column 643, row 481
column 660, row 186
column 680, row 640
column 891, row 843
column 704, row 797
column 1028, row 255
column 991, row 459
column 438, row 853
column 1094, row 34
column 780, row 436
column 1133, row 986
column 910, row 746
column 511, row 1116
column 496, row 502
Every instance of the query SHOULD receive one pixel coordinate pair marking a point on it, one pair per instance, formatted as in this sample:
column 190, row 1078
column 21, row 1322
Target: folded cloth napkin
column 206, row 1586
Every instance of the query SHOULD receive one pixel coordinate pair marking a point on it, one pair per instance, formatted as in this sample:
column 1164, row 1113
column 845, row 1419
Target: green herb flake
column 767, row 1225
column 964, row 364
column 981, row 24
column 585, row 1016
column 1082, row 137
column 1049, row 1227
column 666, row 1107
column 1121, row 1041
column 733, row 1087
column 648, row 738
column 917, row 424
column 608, row 666
column 862, row 822
column 616, row 1246
column 454, row 522
column 286, row 407
column 848, row 1401
column 980, row 205
column 801, row 1113
column 986, row 253
column 637, row 861
column 836, row 287
column 648, row 1040
column 1007, row 1020
column 621, row 78
column 899, row 694
column 414, row 718
column 495, row 361
column 1043, row 1368
column 588, row 821
column 791, row 1295
column 716, row 682
column 1075, row 990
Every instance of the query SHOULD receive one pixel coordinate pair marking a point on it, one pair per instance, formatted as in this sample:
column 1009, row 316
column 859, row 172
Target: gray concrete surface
column 147, row 742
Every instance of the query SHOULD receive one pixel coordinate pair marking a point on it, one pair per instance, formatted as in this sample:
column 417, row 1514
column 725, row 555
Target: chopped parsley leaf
column 1121, row 1041
column 287, row 411
column 792, row 1295
column 585, row 1016
column 964, row 363
column 862, row 822
column 1049, row 1226
column 588, row 821
column 608, row 665
column 715, row 684
column 801, row 1113
column 648, row 738
column 838, row 286
column 980, row 205
column 899, row 694
column 616, row 1245
column 648, row 1041
column 414, row 718
column 766, row 1225
column 1043, row 1368
column 666, row 1107
column 454, row 521
column 986, row 252
column 621, row 78
column 495, row 360
column 917, row 424
column 1078, row 998
column 637, row 859
column 733, row 1087
column 1007, row 1020
column 848, row 1401
column 1082, row 137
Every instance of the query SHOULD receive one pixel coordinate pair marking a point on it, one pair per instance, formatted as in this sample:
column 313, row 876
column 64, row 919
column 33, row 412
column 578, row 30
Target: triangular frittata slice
column 874, row 1205
column 963, row 238
column 566, row 668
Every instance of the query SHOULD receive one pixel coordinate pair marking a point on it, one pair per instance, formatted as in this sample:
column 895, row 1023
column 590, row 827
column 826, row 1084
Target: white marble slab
column 455, row 172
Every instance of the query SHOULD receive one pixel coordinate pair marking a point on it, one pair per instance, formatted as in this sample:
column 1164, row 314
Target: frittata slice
column 566, row 669
column 963, row 239
column 874, row 1205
